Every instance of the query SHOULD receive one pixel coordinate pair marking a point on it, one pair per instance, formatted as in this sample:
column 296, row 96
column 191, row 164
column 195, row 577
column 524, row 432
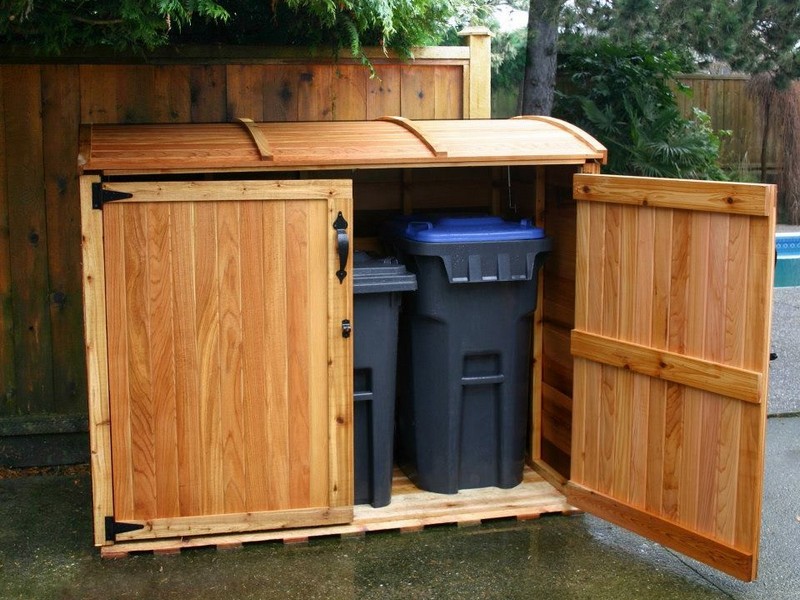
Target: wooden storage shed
column 217, row 296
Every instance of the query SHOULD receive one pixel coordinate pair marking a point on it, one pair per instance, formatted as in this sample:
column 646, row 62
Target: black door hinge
column 113, row 529
column 100, row 195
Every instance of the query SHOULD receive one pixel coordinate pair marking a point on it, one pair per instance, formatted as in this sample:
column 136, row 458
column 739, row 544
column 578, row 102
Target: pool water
column 787, row 267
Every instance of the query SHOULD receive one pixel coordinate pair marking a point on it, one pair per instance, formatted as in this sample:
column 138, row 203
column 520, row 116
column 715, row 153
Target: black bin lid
column 375, row 274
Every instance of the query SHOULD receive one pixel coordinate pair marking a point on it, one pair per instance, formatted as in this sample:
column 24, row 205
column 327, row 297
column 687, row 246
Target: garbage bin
column 462, row 411
column 377, row 286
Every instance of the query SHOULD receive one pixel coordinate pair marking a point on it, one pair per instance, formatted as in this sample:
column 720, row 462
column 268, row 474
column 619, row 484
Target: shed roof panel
column 387, row 142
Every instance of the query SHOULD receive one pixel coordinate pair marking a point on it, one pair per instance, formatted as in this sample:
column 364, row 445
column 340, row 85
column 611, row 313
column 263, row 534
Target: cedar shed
column 220, row 381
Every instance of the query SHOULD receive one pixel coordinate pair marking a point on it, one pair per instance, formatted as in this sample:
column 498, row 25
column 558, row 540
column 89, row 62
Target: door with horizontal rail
column 671, row 351
column 228, row 355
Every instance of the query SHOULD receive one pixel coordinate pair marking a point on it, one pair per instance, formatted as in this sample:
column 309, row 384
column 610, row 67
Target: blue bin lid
column 467, row 229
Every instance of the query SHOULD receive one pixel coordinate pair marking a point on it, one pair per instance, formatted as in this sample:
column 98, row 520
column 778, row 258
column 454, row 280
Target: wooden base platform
column 411, row 509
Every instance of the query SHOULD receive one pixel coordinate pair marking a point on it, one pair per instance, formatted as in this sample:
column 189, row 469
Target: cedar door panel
column 229, row 377
column 671, row 349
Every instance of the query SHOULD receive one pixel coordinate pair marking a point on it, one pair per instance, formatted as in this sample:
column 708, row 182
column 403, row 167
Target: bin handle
column 342, row 245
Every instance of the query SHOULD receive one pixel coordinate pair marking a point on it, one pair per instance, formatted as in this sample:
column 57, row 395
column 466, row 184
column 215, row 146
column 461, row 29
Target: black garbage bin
column 377, row 286
column 465, row 350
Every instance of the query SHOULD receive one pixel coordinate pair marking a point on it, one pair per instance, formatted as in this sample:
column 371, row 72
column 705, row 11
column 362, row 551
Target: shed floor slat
column 411, row 509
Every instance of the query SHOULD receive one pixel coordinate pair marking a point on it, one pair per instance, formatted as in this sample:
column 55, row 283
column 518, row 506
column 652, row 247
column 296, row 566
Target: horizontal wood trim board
column 730, row 560
column 695, row 372
column 737, row 198
column 220, row 191
column 237, row 522
column 261, row 55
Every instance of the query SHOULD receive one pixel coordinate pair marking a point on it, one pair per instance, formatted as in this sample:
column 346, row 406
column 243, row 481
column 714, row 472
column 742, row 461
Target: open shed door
column 671, row 347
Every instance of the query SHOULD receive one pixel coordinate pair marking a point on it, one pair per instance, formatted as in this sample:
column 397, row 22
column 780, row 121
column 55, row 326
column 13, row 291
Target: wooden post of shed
column 478, row 78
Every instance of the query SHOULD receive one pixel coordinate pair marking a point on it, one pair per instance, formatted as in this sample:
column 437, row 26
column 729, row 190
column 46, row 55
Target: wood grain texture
column 726, row 197
column 7, row 367
column 205, row 422
column 671, row 366
column 94, row 307
column 60, row 126
column 411, row 510
column 735, row 561
column 182, row 148
column 703, row 374
column 27, row 234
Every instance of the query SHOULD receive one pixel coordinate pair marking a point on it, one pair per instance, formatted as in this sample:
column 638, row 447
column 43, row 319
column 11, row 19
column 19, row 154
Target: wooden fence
column 725, row 100
column 42, row 370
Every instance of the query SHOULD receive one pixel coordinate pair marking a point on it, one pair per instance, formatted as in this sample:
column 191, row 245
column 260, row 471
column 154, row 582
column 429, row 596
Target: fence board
column 725, row 99
column 28, row 240
column 207, row 84
column 60, row 115
column 7, row 382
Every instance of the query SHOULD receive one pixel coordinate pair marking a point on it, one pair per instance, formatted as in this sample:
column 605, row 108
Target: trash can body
column 466, row 343
column 377, row 287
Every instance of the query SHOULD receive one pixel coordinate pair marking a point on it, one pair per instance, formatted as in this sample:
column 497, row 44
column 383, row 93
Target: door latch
column 347, row 328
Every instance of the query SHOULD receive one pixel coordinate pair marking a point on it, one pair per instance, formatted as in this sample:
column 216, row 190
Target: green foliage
column 622, row 96
column 754, row 36
column 52, row 26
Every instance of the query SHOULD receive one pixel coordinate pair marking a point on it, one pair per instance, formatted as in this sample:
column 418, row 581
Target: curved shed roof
column 383, row 143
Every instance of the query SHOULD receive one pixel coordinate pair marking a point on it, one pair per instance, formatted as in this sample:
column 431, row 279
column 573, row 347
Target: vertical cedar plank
column 230, row 360
column 349, row 89
column 207, row 84
column 609, row 402
column 594, row 322
column 297, row 332
column 187, row 360
column 33, row 351
column 674, row 452
column 96, row 336
column 172, row 94
column 659, row 331
column 734, row 342
column 383, row 92
column 582, row 247
column 695, row 346
column 276, row 300
column 7, row 377
column 418, row 88
column 98, row 94
column 255, row 352
column 162, row 352
column 60, row 113
column 340, row 364
column 119, row 388
column 245, row 92
column 314, row 98
column 206, row 282
column 319, row 417
column 751, row 452
column 714, row 342
column 628, row 286
column 448, row 85
column 141, row 405
column 641, row 316
column 136, row 93
column 281, row 84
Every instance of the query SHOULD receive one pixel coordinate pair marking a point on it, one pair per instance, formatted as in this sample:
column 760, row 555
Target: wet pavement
column 46, row 545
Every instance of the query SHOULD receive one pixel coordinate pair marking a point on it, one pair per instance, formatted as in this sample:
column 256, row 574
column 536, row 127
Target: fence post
column 478, row 76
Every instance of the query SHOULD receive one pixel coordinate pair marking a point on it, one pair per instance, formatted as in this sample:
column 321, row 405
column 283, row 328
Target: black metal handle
column 342, row 245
